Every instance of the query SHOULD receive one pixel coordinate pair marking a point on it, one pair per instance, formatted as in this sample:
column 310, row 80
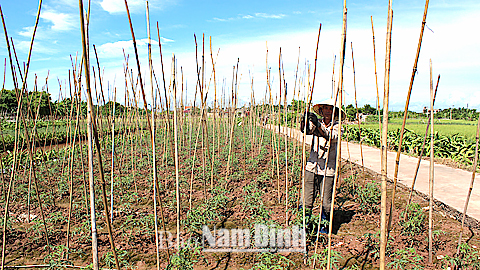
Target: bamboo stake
column 232, row 126
column 19, row 113
column 307, row 108
column 177, row 180
column 405, row 114
column 90, row 145
column 421, row 153
column 113, row 154
column 358, row 115
column 329, row 143
column 376, row 80
column 214, row 114
column 475, row 162
column 286, row 155
column 154, row 159
column 92, row 128
column 193, row 167
column 386, row 86
column 33, row 149
column 339, row 139
column 72, row 155
column 431, row 175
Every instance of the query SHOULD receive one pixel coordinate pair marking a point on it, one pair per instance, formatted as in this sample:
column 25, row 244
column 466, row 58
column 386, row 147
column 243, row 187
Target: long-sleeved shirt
column 318, row 153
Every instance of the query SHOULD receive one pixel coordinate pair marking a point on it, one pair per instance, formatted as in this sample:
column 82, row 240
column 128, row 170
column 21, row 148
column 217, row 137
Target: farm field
column 452, row 145
column 250, row 191
column 132, row 168
column 445, row 127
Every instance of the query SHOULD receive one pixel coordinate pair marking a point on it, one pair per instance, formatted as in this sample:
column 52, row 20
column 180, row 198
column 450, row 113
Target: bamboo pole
column 113, row 154
column 232, row 125
column 177, row 180
column 405, row 114
column 386, row 92
column 90, row 145
column 286, row 153
column 19, row 113
column 358, row 115
column 92, row 128
column 431, row 175
column 72, row 156
column 214, row 114
column 421, row 154
column 475, row 162
column 154, row 159
column 376, row 80
column 339, row 139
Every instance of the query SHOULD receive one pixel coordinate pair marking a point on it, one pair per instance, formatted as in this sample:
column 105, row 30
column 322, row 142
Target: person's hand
column 312, row 123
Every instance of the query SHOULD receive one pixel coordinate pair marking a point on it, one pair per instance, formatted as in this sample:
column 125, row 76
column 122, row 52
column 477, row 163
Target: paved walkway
column 450, row 186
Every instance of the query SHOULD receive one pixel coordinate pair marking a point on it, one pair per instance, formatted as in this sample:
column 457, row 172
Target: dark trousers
column 313, row 185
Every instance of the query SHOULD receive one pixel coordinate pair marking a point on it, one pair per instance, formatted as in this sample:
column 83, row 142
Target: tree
column 35, row 101
column 8, row 101
column 351, row 112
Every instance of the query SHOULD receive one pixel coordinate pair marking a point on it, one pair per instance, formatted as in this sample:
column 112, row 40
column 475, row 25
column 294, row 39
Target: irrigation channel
column 145, row 197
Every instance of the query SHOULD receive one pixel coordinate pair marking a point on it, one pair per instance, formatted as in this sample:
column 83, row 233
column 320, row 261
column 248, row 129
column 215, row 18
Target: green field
column 445, row 127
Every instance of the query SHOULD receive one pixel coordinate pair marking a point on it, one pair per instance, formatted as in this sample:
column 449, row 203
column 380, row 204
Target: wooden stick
column 386, row 92
column 72, row 156
column 358, row 115
column 475, row 162
column 339, row 139
column 376, row 80
column 92, row 128
column 421, row 154
column 154, row 159
column 431, row 175
column 405, row 114
column 177, row 180
column 232, row 126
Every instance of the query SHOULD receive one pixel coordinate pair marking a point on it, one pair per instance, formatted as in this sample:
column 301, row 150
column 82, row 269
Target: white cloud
column 447, row 47
column 220, row 20
column 118, row 6
column 70, row 3
column 247, row 17
column 38, row 48
column 134, row 6
column 166, row 40
column 60, row 21
column 115, row 49
column 269, row 16
column 27, row 32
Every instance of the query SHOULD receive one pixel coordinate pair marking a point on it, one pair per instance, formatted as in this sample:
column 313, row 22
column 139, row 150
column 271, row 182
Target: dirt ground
column 250, row 195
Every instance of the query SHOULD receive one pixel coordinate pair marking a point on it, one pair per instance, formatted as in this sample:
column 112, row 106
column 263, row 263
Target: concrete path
column 450, row 186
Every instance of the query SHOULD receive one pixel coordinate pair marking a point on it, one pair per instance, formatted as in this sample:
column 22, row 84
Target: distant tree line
column 42, row 101
column 457, row 113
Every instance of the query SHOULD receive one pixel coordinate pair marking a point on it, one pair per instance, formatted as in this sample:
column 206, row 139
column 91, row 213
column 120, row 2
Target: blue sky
column 244, row 29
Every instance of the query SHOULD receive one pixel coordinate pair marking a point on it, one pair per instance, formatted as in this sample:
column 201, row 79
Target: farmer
column 323, row 151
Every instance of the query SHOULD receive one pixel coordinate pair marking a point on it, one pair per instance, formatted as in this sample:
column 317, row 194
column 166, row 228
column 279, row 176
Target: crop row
column 455, row 147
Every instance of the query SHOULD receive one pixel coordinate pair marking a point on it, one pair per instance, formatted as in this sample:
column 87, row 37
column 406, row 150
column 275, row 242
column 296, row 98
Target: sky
column 242, row 31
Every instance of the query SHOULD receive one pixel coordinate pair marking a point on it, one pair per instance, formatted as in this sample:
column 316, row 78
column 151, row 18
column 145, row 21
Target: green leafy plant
column 185, row 258
column 468, row 258
column 109, row 259
column 406, row 259
column 321, row 259
column 413, row 222
column 271, row 261
column 368, row 197
column 372, row 245
column 55, row 258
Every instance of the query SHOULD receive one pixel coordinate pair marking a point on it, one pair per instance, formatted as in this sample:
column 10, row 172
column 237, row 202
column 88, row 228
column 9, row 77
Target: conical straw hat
column 317, row 108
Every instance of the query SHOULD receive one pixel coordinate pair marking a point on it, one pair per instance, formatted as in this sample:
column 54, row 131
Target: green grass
column 445, row 127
